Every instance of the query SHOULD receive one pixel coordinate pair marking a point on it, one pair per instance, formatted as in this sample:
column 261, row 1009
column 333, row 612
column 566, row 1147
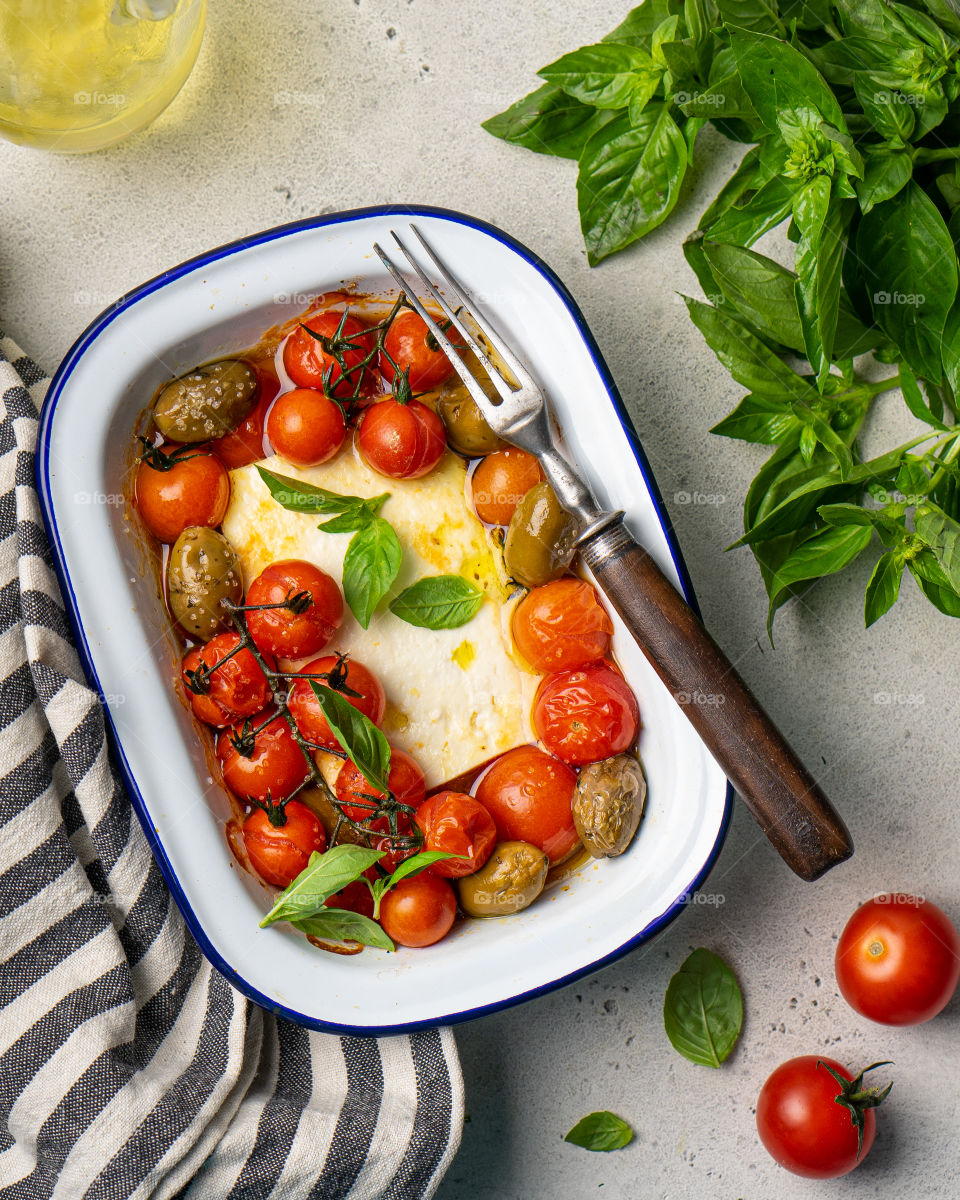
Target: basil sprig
column 373, row 555
column 602, row 1131
column 851, row 111
column 438, row 602
column 703, row 1009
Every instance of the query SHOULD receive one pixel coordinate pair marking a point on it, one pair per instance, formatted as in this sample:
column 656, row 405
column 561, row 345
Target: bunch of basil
column 851, row 109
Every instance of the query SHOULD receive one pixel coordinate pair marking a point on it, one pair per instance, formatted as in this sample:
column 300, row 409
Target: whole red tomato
column 528, row 794
column 403, row 441
column 561, row 625
column 501, row 481
column 179, row 486
column 307, row 625
column 306, row 427
column 279, row 852
column 456, row 823
column 812, row 1113
column 244, row 445
column 353, row 681
column 898, row 959
column 586, row 714
column 266, row 764
column 418, row 911
column 359, row 799
column 308, row 360
column 236, row 687
column 414, row 349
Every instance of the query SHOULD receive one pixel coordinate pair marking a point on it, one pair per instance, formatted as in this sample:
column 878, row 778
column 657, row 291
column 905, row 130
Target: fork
column 783, row 796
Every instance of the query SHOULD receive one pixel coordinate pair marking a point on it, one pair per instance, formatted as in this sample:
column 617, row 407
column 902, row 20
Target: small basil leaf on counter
column 606, row 75
column 549, row 122
column 365, row 745
column 703, row 1009
column 340, row 925
column 600, row 1131
column 438, row 602
column 370, row 566
column 883, row 587
column 823, row 553
column 323, row 876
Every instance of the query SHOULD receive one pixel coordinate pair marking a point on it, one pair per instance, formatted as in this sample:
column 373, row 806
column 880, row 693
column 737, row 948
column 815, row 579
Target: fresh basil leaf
column 758, row 288
column 370, row 566
column 366, row 747
column 549, row 122
column 737, row 188
column 357, row 517
column 883, row 108
column 638, row 25
column 606, row 75
column 629, row 180
column 417, row 863
column 885, row 171
column 883, row 587
column 768, row 420
column 950, row 349
column 910, row 269
column 933, row 582
column 724, row 98
column 945, row 15
column 817, row 428
column 915, row 400
column 703, row 1009
column 781, row 82
column 438, row 602
column 757, row 16
column 852, row 336
column 941, row 534
column 341, row 925
column 823, row 553
column 745, row 222
column 600, row 1131
column 822, row 222
column 297, row 496
column 322, row 877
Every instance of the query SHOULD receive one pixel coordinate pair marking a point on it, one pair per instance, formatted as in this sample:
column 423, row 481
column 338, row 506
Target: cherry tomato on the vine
column 403, row 441
column 418, row 911
column 307, row 626
column 586, row 714
column 244, row 445
column 456, row 823
column 501, row 481
column 279, row 853
column 308, row 360
column 406, row 781
column 898, row 959
column 528, row 794
column 562, row 625
column 188, row 486
column 306, row 427
column 268, row 764
column 413, row 348
column 236, row 688
column 347, row 677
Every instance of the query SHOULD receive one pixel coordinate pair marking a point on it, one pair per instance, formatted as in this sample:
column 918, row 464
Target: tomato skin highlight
column 278, row 853
column 528, row 794
column 898, row 960
column 456, row 823
column 561, row 625
column 401, row 441
column 501, row 481
column 280, row 631
column 307, row 713
column 306, row 427
column 407, row 344
column 418, row 911
column 194, row 491
column 586, row 714
column 277, row 764
column 802, row 1126
column 406, row 780
column 237, row 689
column 305, row 360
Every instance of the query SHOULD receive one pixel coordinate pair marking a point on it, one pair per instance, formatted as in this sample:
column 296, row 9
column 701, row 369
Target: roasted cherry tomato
column 354, row 682
column 586, row 714
column 177, row 486
column 305, row 628
column 278, row 853
column 306, row 427
column 414, row 349
column 561, row 625
column 406, row 782
column 418, row 911
column 403, row 441
column 501, row 481
column 236, row 688
column 457, row 824
column 307, row 360
column 528, row 794
column 355, row 897
column 394, row 847
column 260, row 759
column 810, row 1121
column 898, row 960
column 244, row 445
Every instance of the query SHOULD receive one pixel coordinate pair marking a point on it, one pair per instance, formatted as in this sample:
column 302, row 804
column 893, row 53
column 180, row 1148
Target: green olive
column 203, row 573
column 467, row 431
column 207, row 402
column 510, row 880
column 608, row 804
column 540, row 538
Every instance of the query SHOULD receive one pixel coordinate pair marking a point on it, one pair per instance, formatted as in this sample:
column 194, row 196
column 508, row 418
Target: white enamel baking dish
column 218, row 304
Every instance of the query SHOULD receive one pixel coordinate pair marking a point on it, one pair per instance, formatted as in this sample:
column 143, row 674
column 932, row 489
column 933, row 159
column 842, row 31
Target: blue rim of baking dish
column 59, row 381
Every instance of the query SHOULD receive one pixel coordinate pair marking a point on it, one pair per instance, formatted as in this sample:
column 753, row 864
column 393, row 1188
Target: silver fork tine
column 496, row 378
column 469, row 303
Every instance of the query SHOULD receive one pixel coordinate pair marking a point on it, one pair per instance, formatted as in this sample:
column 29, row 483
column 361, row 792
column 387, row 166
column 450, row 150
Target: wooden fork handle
column 781, row 793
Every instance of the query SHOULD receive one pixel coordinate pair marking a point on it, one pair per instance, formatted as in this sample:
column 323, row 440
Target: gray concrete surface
column 391, row 93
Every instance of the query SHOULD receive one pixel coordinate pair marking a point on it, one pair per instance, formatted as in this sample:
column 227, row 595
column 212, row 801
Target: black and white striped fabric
column 129, row 1068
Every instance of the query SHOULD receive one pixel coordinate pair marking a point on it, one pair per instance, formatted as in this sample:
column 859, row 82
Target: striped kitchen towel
column 128, row 1066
